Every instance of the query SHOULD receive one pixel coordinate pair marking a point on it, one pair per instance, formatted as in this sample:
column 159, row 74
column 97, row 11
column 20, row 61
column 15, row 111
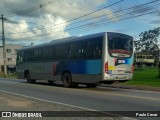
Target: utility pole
column 4, row 48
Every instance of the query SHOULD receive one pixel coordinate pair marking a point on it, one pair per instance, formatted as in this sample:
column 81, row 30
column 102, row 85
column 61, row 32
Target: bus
column 92, row 59
column 145, row 59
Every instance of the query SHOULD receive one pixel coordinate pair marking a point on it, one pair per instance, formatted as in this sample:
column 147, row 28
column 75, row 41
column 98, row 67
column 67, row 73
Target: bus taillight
column 106, row 67
column 132, row 69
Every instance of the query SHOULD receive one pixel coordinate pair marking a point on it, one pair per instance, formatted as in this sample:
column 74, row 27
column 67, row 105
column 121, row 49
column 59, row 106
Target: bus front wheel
column 28, row 78
column 67, row 80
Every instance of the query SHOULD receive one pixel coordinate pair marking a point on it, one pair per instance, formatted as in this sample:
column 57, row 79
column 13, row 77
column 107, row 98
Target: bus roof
column 68, row 39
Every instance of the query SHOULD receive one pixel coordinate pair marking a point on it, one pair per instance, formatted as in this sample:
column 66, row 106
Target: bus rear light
column 115, row 61
column 106, row 67
column 132, row 69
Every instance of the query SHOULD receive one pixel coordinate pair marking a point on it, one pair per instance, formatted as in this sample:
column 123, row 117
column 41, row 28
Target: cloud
column 120, row 30
column 155, row 22
column 44, row 24
column 44, row 29
column 111, row 15
column 65, row 9
column 14, row 29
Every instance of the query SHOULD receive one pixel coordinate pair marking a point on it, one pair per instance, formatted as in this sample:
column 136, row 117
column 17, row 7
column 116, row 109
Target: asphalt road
column 100, row 98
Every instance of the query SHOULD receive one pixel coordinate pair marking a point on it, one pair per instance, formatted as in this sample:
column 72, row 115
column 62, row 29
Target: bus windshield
column 120, row 47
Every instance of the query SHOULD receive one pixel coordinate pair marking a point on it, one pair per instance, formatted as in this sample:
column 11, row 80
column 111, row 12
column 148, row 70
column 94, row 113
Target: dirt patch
column 12, row 101
column 19, row 103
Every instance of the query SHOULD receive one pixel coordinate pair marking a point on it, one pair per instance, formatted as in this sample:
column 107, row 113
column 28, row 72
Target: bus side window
column 57, row 52
column 76, row 50
column 61, row 51
column 98, row 48
column 64, row 51
column 81, row 51
column 93, row 48
column 37, row 54
column 88, row 49
column 46, row 53
column 28, row 55
column 50, row 53
column 19, row 58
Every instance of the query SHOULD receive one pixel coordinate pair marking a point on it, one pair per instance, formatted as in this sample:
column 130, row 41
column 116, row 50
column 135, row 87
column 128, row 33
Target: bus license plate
column 120, row 71
column 121, row 61
column 120, row 78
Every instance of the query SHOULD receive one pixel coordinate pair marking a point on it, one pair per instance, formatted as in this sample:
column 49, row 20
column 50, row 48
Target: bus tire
column 75, row 85
column 50, row 82
column 123, row 81
column 91, row 85
column 67, row 80
column 28, row 78
column 108, row 82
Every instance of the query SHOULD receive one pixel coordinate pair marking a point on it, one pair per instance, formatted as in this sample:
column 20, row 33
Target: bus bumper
column 118, row 77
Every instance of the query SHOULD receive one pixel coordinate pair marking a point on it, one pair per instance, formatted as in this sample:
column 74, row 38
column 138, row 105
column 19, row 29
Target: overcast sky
column 40, row 21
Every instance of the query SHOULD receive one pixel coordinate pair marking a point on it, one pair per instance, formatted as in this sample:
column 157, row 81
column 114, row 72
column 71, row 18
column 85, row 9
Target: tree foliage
column 137, row 46
column 149, row 41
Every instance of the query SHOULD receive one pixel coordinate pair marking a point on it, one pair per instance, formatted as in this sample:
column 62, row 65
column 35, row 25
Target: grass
column 8, row 75
column 145, row 77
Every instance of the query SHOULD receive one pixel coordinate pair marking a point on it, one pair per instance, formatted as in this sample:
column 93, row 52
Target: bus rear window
column 118, row 45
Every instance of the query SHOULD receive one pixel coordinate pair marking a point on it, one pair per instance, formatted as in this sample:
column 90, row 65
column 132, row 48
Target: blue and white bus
column 91, row 60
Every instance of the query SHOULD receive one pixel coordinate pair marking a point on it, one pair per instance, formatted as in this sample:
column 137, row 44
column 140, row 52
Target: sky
column 41, row 21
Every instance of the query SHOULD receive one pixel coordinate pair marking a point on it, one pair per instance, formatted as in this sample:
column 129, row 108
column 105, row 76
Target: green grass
column 145, row 77
column 8, row 75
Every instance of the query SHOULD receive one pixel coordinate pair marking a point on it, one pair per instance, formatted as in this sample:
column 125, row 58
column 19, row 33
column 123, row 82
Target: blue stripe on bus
column 80, row 66
column 130, row 60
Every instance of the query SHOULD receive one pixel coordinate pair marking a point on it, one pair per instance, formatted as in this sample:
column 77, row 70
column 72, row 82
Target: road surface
column 100, row 98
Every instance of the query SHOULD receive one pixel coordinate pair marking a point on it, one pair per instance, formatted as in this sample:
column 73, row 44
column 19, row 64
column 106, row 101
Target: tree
column 149, row 42
column 137, row 46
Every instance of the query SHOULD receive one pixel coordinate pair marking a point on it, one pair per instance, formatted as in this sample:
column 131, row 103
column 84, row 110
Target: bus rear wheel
column 50, row 82
column 67, row 80
column 91, row 85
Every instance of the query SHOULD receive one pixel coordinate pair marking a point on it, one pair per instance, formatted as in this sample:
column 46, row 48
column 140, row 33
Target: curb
column 133, row 87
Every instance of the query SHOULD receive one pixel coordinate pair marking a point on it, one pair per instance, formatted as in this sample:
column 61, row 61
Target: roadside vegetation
column 148, row 42
column 8, row 75
column 147, row 76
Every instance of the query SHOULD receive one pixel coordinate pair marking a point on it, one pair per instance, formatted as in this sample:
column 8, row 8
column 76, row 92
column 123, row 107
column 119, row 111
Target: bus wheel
column 108, row 82
column 75, row 85
column 50, row 82
column 28, row 78
column 91, row 85
column 67, row 80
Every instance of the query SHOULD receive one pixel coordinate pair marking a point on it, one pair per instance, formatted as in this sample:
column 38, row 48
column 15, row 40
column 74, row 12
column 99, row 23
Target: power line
column 101, row 23
column 112, row 13
column 78, row 17
column 89, row 24
column 84, row 26
column 119, row 11
column 26, row 11
column 129, row 13
column 123, row 10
